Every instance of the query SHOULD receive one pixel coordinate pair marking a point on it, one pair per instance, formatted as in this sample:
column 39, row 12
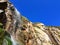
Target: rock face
column 24, row 32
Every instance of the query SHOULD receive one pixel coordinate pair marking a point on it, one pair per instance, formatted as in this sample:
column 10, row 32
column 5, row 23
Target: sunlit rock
column 18, row 30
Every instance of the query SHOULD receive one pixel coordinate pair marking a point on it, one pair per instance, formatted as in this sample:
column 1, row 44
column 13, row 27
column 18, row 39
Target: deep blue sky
column 45, row 11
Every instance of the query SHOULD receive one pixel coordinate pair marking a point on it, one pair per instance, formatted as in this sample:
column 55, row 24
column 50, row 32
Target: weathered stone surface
column 24, row 32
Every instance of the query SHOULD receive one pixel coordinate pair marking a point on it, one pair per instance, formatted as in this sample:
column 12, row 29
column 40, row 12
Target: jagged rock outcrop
column 20, row 31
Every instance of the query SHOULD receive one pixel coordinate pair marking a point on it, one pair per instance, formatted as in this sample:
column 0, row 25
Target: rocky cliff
column 18, row 30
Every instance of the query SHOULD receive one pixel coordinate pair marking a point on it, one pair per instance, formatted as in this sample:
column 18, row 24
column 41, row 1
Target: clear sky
column 45, row 11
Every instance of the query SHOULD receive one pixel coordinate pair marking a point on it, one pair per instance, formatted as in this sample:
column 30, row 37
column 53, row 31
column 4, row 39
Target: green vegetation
column 8, row 40
column 3, row 35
